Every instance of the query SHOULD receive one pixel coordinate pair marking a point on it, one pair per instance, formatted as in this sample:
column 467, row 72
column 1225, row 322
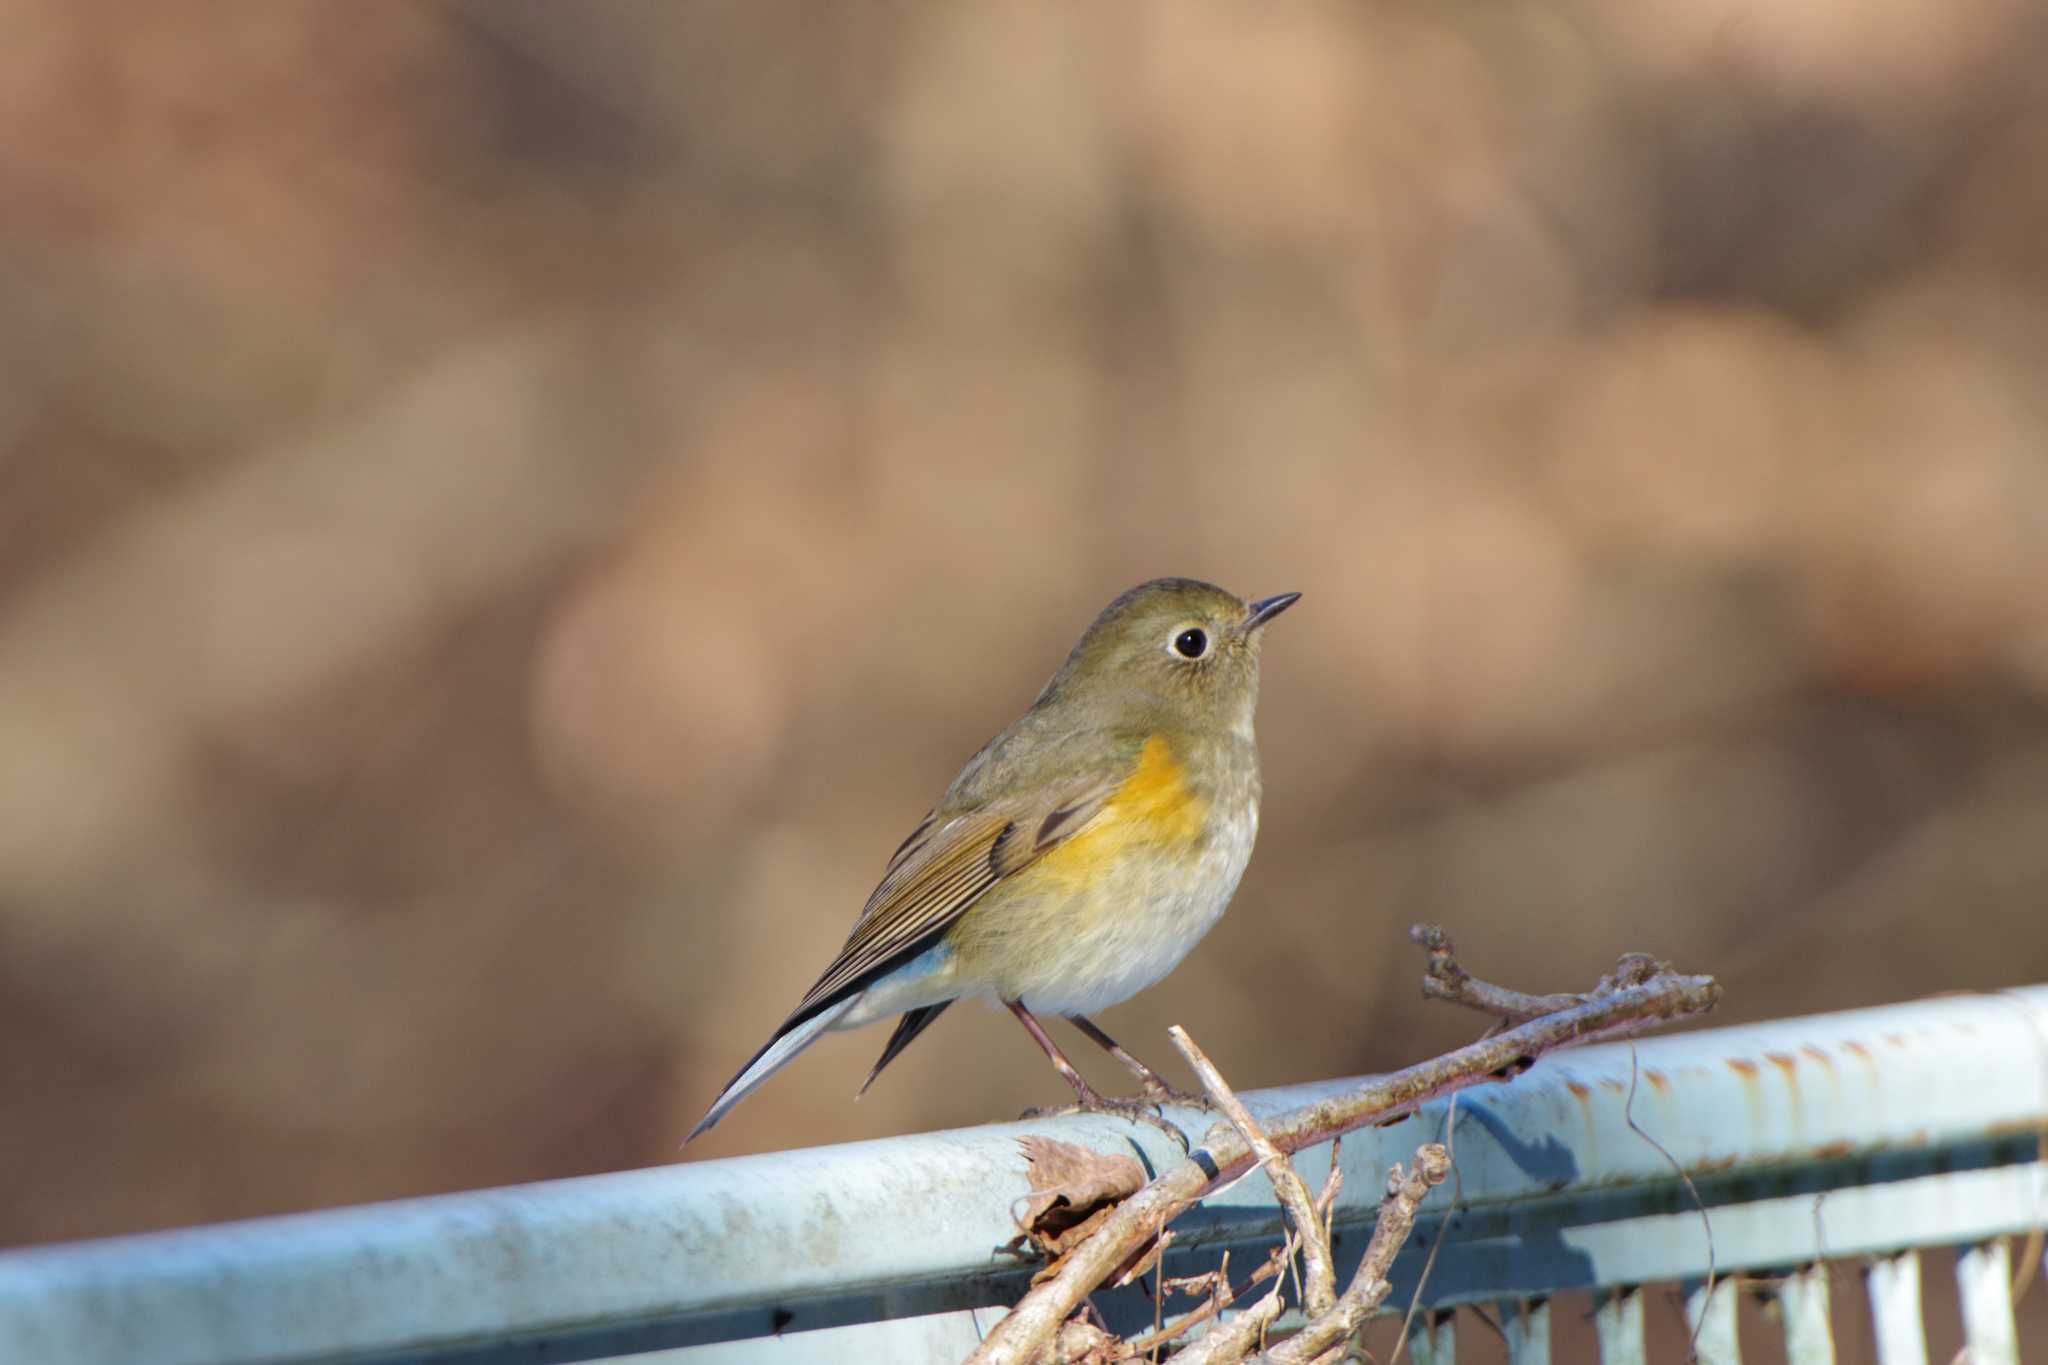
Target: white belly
column 1157, row 921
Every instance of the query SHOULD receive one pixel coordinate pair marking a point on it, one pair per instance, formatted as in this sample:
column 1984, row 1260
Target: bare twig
column 1234, row 1340
column 1333, row 1184
column 1445, row 979
column 1222, row 1298
column 1369, row 1287
column 1628, row 1114
column 1082, row 1342
column 1450, row 1137
column 1217, row 1284
column 1319, row 1274
column 1618, row 1012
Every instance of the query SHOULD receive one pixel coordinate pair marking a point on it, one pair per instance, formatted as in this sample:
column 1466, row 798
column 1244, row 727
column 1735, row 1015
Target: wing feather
column 944, row 867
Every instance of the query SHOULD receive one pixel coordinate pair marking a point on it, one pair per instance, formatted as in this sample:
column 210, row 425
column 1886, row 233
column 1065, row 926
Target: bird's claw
column 1159, row 1092
column 1134, row 1110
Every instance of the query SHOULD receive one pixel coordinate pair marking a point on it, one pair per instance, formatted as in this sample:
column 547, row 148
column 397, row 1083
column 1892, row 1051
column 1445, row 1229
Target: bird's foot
column 1159, row 1092
column 1087, row 1101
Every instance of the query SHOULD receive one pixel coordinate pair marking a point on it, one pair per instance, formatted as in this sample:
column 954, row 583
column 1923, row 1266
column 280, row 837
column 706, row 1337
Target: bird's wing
column 947, row 864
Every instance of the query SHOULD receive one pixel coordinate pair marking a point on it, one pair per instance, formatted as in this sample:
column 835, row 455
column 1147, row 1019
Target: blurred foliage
column 510, row 510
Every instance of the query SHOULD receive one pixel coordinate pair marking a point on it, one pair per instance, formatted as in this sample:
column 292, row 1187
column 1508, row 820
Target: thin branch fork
column 1234, row 1340
column 1334, row 1320
column 1319, row 1272
column 1614, row 1010
column 1308, row 1217
column 1222, row 1297
column 1446, row 979
column 1370, row 1286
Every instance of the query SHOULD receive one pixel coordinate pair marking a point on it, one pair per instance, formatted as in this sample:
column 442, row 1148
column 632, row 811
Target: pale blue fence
column 1846, row 1140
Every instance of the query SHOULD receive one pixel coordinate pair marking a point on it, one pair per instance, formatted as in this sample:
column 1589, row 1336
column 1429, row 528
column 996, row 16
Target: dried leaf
column 1073, row 1191
column 1072, row 1188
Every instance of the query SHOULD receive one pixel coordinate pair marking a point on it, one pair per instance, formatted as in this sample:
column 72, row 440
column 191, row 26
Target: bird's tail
column 782, row 1049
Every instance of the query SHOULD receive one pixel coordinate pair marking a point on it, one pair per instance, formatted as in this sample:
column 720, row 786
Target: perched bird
column 1079, row 856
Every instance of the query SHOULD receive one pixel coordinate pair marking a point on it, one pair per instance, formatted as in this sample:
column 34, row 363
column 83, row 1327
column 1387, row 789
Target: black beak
column 1266, row 608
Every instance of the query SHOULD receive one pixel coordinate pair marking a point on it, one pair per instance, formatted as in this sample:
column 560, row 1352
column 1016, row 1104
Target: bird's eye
column 1191, row 643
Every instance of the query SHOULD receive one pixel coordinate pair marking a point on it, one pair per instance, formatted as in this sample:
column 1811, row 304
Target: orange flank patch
column 1154, row 811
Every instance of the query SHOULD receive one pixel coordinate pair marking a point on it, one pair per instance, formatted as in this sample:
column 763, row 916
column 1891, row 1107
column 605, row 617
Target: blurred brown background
column 510, row 510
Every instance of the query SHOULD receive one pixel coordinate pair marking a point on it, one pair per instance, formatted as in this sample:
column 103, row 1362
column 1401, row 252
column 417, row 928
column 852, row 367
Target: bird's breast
column 1118, row 905
column 1159, row 811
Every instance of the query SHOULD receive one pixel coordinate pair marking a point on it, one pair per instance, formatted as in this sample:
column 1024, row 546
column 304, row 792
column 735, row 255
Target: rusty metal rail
column 1850, row 1138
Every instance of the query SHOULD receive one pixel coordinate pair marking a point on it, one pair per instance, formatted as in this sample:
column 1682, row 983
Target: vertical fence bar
column 1712, row 1319
column 1984, row 1274
column 1619, row 1322
column 1893, row 1283
column 1803, row 1303
column 1527, row 1324
column 1433, row 1339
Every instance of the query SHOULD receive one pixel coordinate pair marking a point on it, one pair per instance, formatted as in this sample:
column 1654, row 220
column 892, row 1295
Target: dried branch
column 1616, row 1010
column 1333, row 1185
column 1234, row 1340
column 1369, row 1287
column 1221, row 1297
column 1319, row 1273
column 1083, row 1343
column 1445, row 979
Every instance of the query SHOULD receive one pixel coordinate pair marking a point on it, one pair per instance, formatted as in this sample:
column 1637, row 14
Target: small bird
column 1078, row 857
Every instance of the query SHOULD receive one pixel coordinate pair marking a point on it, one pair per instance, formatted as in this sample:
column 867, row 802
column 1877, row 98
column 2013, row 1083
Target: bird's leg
column 1153, row 1084
column 1086, row 1099
column 1082, row 1090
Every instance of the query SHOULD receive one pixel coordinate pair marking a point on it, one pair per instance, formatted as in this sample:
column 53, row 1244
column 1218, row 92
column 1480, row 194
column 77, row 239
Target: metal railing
column 1849, row 1139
